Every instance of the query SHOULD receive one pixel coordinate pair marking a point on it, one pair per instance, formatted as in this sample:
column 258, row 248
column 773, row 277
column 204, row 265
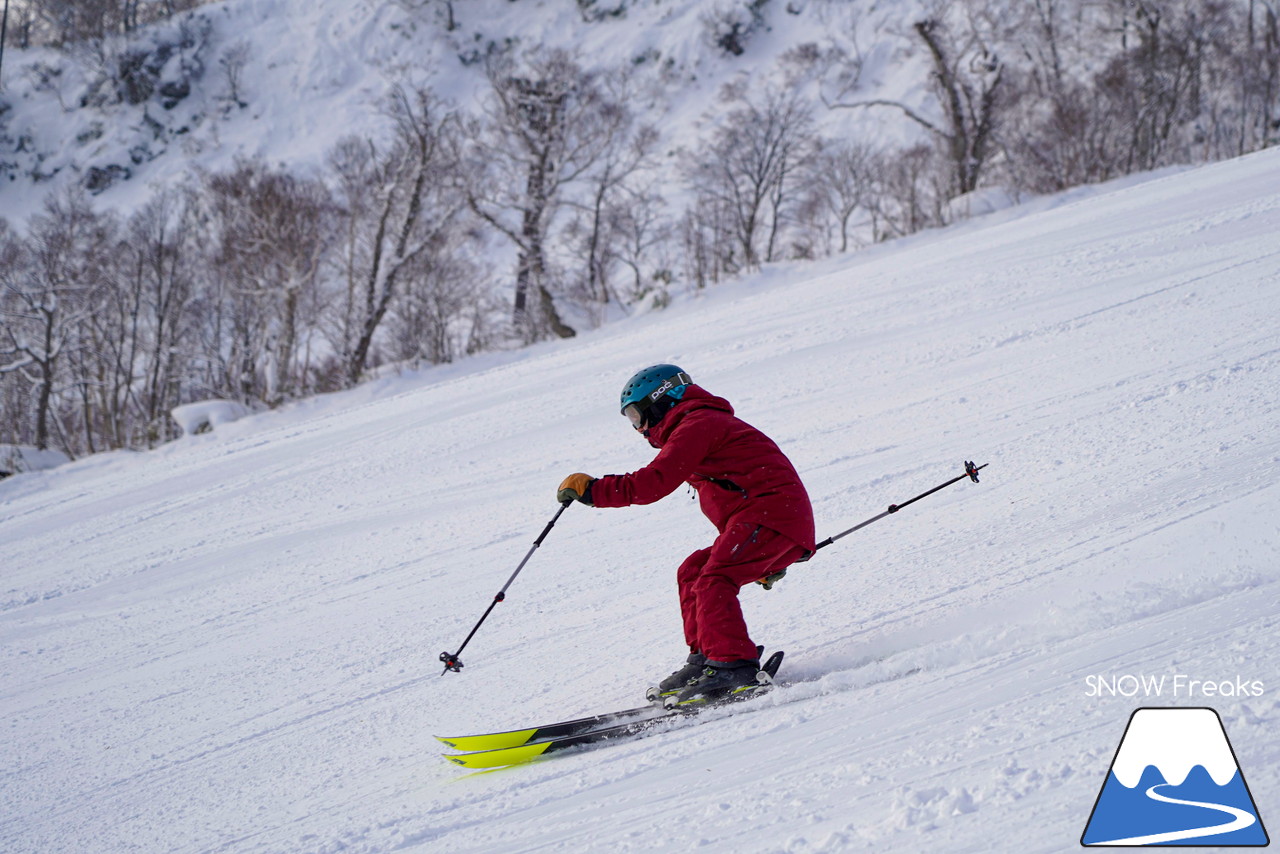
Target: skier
column 748, row 489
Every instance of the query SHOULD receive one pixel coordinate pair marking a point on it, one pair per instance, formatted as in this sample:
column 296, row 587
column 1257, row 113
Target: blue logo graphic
column 1175, row 781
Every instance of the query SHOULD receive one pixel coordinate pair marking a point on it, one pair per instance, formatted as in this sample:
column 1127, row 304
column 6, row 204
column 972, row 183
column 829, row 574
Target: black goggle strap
column 669, row 385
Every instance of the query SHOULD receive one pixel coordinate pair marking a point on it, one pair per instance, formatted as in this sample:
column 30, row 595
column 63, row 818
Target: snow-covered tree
column 272, row 229
column 48, row 297
column 399, row 208
column 546, row 125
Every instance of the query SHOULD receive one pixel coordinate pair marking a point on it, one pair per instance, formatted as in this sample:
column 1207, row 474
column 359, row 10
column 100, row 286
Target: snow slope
column 230, row 644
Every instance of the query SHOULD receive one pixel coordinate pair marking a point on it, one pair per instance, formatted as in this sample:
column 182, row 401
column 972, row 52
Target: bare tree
column 841, row 179
column 709, row 241
column 233, row 62
column 96, row 325
column 273, row 227
column 60, row 22
column 750, row 169
column 1239, row 63
column 444, row 311
column 47, row 299
column 641, row 232
column 399, row 207
column 545, row 127
column 603, row 206
column 1263, row 88
column 65, row 21
column 966, row 78
column 1154, row 82
column 135, row 336
column 905, row 197
column 15, row 379
column 102, row 368
column 162, row 260
column 1044, row 47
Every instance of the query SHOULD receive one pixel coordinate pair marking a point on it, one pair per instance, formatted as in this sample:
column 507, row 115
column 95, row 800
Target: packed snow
column 230, row 644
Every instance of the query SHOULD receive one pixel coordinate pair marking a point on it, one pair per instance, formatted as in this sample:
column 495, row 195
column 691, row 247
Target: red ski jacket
column 739, row 473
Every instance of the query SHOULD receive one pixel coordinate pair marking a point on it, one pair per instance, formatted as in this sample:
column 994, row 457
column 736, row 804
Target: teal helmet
column 651, row 392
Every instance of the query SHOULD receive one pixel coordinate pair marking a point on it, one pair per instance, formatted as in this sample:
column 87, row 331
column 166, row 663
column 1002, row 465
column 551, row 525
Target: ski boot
column 678, row 678
column 720, row 681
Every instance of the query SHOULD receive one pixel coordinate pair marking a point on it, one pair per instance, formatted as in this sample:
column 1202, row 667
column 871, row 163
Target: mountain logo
column 1174, row 781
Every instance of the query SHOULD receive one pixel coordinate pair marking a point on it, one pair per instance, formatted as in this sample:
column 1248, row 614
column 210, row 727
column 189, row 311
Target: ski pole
column 970, row 471
column 451, row 660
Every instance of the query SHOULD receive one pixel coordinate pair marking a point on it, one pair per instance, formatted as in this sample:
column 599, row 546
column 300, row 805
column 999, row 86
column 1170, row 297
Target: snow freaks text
column 1170, row 686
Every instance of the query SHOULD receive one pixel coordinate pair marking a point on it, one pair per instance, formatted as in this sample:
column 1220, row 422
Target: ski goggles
column 634, row 415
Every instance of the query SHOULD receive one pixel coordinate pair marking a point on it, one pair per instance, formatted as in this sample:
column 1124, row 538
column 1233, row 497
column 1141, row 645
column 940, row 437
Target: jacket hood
column 695, row 397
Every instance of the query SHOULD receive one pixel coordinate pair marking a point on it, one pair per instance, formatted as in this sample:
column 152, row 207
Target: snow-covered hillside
column 230, row 643
column 285, row 80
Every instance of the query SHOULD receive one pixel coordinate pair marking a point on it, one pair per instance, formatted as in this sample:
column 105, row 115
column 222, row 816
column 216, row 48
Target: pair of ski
column 514, row 747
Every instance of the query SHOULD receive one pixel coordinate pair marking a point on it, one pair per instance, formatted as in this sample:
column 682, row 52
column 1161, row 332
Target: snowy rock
column 15, row 459
column 205, row 415
column 982, row 201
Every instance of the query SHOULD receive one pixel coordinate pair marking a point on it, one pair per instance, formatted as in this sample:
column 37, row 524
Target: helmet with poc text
column 649, row 394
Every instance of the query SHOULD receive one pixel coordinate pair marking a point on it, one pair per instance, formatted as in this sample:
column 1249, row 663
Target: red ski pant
column 709, row 580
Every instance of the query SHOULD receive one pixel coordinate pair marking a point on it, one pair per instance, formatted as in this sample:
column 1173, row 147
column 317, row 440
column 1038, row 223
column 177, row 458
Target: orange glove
column 771, row 579
column 576, row 487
